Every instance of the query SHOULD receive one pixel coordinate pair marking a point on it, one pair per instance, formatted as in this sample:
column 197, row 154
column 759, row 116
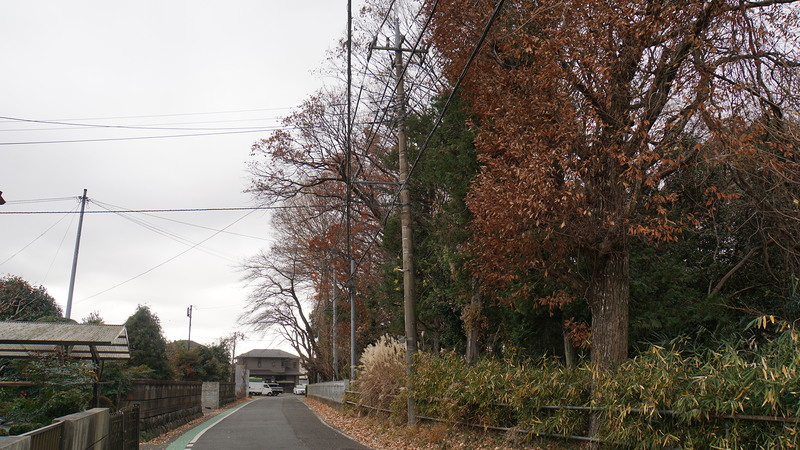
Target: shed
column 83, row 341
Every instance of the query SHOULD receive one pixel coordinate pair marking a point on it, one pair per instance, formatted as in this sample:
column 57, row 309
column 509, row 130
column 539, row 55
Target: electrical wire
column 124, row 127
column 164, row 232
column 40, row 200
column 243, row 208
column 123, row 210
column 439, row 119
column 167, row 261
column 39, row 237
column 139, row 138
column 178, row 115
column 60, row 246
column 159, row 126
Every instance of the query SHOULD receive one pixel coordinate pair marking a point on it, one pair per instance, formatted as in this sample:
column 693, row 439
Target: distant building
column 272, row 365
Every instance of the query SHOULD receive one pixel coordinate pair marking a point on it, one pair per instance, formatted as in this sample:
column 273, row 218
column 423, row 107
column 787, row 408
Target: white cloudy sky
column 199, row 66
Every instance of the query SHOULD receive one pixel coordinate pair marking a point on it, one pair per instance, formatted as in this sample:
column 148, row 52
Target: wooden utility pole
column 75, row 258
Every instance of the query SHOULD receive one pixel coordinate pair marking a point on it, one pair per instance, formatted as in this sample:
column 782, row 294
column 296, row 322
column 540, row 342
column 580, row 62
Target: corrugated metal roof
column 98, row 342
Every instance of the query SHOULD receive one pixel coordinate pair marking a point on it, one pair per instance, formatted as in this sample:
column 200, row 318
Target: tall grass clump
column 382, row 376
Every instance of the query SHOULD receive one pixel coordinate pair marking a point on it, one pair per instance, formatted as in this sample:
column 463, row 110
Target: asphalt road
column 267, row 423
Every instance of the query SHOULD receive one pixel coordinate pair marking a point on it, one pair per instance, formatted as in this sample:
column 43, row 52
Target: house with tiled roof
column 273, row 366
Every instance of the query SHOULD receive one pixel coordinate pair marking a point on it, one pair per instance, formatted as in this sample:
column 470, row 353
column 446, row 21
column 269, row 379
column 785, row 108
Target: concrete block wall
column 210, row 395
column 15, row 443
column 331, row 393
column 216, row 395
column 86, row 430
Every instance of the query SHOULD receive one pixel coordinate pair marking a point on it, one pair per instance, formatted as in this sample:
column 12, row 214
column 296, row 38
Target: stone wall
column 165, row 405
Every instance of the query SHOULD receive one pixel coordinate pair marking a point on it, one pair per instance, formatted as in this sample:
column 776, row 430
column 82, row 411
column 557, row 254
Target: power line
column 125, row 127
column 40, row 200
column 177, row 115
column 168, row 260
column 39, row 237
column 163, row 231
column 138, row 138
column 244, row 208
column 159, row 126
column 167, row 136
column 438, row 122
column 122, row 210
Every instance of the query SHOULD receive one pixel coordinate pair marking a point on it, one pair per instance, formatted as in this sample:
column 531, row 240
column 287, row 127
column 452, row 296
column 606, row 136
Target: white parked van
column 259, row 388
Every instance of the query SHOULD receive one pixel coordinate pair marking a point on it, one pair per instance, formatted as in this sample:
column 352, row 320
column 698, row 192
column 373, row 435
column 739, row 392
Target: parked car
column 259, row 388
column 300, row 389
column 275, row 387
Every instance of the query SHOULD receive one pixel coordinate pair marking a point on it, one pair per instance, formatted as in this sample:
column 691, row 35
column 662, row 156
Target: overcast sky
column 74, row 75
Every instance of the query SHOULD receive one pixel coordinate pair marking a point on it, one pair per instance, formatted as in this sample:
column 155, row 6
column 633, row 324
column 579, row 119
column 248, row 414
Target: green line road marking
column 191, row 436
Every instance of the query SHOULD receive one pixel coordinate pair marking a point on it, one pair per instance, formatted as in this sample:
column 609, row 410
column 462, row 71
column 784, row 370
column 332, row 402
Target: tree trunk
column 608, row 299
column 570, row 355
column 471, row 316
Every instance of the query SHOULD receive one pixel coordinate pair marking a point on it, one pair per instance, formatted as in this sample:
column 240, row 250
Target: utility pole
column 352, row 319
column 349, row 176
column 406, row 231
column 75, row 257
column 189, row 315
column 405, row 216
column 233, row 354
column 335, row 351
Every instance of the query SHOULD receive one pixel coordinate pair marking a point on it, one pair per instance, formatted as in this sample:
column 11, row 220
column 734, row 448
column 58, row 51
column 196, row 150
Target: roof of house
column 184, row 344
column 267, row 353
column 97, row 342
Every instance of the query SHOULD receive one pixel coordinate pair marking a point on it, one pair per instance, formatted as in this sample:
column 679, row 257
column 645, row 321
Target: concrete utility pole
column 406, row 231
column 75, row 258
column 333, row 331
column 239, row 335
column 189, row 315
column 405, row 215
column 352, row 319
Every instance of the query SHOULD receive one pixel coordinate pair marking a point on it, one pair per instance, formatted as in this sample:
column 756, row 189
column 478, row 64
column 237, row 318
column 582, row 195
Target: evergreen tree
column 20, row 301
column 147, row 344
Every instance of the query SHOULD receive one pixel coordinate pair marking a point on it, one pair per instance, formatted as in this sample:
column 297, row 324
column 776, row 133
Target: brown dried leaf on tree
column 587, row 111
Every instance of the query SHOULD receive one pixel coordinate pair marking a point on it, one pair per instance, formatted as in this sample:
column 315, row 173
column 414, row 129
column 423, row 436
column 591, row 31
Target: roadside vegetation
column 48, row 386
column 604, row 201
column 737, row 393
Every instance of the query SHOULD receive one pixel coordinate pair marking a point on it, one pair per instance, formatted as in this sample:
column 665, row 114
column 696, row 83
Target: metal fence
column 46, row 438
column 123, row 433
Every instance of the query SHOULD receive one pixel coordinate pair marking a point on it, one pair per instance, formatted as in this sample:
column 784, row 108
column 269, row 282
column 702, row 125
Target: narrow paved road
column 267, row 423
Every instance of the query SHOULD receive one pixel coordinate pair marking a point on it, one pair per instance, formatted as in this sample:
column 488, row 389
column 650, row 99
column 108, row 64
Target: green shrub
column 671, row 395
column 22, row 428
column 60, row 388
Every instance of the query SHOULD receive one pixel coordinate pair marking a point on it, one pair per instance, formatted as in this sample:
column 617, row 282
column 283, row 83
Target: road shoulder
column 165, row 440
